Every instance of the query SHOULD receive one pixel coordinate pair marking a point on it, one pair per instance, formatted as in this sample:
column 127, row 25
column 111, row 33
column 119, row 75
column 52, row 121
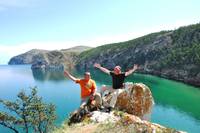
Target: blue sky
column 57, row 24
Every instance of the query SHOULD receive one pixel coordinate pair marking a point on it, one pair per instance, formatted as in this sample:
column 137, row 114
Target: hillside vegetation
column 171, row 54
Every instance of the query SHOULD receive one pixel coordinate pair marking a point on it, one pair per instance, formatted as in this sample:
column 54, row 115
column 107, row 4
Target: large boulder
column 137, row 100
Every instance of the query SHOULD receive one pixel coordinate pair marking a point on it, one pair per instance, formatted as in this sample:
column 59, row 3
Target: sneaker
column 110, row 109
column 104, row 109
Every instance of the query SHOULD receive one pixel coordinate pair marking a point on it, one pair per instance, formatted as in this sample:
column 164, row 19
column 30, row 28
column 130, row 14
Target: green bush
column 28, row 113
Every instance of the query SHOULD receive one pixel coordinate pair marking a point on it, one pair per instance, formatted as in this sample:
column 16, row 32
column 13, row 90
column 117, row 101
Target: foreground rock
column 136, row 100
column 114, row 122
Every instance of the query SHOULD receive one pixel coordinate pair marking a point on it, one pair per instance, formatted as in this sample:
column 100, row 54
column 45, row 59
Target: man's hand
column 92, row 97
column 97, row 65
column 135, row 67
column 103, row 88
column 68, row 75
column 93, row 102
column 105, row 70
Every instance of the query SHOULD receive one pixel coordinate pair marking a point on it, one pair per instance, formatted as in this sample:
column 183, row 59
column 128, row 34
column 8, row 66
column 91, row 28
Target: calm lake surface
column 177, row 105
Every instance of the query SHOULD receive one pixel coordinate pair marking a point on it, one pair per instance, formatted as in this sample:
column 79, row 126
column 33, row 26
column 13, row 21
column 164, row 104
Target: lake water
column 177, row 105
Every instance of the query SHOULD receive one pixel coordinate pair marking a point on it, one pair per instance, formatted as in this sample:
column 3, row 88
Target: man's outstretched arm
column 67, row 74
column 105, row 70
column 135, row 67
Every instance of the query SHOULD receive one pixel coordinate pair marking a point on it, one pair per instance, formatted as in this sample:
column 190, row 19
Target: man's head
column 117, row 69
column 87, row 76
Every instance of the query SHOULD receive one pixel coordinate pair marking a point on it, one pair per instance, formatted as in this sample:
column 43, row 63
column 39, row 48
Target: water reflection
column 42, row 75
column 177, row 104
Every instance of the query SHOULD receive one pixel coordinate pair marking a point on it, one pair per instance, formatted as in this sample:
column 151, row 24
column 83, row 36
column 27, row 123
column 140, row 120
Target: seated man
column 118, row 78
column 88, row 88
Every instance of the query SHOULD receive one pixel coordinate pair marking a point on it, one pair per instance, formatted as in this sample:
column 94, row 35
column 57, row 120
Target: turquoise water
column 176, row 104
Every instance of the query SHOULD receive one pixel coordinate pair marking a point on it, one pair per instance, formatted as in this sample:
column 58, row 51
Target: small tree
column 28, row 112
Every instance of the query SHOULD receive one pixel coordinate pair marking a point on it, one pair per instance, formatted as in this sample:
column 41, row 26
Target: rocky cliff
column 170, row 54
column 29, row 57
column 51, row 60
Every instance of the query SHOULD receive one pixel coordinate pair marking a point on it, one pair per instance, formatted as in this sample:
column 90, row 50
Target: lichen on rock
column 138, row 100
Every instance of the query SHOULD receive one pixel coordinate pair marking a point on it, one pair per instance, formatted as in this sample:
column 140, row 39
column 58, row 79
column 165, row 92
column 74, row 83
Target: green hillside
column 171, row 54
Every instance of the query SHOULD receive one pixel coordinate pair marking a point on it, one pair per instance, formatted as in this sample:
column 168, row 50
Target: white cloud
column 141, row 32
column 7, row 4
column 158, row 28
column 15, row 3
column 8, row 51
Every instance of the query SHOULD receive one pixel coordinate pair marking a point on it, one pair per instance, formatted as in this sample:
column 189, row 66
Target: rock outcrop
column 137, row 101
column 124, row 122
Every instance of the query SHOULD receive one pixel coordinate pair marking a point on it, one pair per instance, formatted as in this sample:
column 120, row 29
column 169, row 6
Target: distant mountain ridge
column 56, row 59
column 29, row 57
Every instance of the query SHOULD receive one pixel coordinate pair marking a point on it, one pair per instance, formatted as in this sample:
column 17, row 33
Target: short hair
column 87, row 73
column 117, row 67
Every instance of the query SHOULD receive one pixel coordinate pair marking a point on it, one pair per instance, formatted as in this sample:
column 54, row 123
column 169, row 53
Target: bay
column 176, row 104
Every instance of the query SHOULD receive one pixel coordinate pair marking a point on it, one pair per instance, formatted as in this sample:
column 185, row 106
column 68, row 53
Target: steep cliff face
column 49, row 59
column 170, row 54
column 29, row 57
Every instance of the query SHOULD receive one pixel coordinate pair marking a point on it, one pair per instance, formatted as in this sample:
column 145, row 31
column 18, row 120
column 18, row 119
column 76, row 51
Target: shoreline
column 157, row 74
column 172, row 78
